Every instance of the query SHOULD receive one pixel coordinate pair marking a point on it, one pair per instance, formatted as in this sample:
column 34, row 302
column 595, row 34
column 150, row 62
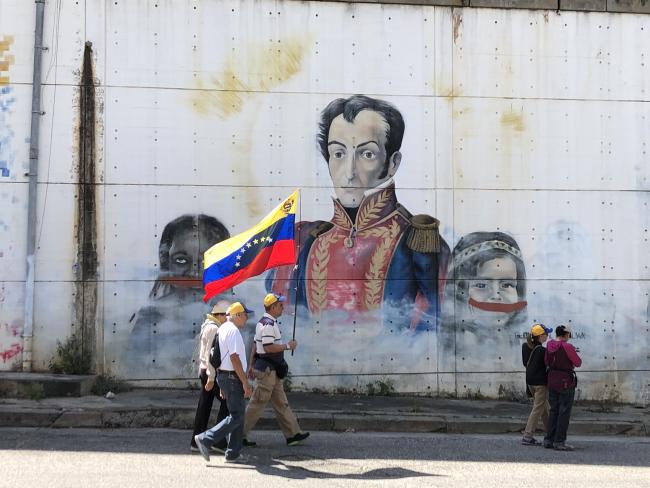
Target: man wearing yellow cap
column 269, row 367
column 206, row 397
column 232, row 380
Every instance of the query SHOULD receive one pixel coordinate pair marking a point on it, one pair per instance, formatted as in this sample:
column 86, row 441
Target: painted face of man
column 357, row 156
column 496, row 282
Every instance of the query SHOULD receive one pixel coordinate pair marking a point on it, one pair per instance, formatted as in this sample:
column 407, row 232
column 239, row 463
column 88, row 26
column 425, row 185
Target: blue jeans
column 559, row 415
column 232, row 427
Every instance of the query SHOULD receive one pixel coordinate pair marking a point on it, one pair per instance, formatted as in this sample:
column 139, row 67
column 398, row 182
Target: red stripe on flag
column 281, row 253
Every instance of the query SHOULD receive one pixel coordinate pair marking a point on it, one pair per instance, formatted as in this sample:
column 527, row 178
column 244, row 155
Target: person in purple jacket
column 561, row 358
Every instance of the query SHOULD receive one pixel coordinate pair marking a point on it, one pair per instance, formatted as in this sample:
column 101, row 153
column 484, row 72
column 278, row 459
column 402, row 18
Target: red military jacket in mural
column 385, row 267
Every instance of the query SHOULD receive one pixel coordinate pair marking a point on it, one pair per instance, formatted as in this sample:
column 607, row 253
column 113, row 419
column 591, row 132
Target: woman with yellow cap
column 532, row 354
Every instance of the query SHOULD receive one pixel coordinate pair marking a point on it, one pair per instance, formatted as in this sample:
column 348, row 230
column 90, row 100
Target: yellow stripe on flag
column 227, row 247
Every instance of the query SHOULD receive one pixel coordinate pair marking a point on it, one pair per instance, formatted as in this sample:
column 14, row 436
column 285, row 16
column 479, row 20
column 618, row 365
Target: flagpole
column 295, row 305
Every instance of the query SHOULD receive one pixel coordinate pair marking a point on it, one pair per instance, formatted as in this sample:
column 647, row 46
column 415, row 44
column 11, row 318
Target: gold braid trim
column 318, row 272
column 371, row 211
column 341, row 218
column 374, row 277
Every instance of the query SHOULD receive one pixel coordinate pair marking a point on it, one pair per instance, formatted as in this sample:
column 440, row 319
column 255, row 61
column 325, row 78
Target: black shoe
column 297, row 439
column 247, row 443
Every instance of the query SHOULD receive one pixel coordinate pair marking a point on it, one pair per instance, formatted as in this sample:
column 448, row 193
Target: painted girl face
column 496, row 282
column 186, row 254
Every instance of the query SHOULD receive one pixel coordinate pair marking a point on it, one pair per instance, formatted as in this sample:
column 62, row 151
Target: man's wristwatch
column 286, row 346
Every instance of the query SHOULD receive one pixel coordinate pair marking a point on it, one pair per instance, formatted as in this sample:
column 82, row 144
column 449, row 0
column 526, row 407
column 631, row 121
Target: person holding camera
column 268, row 367
column 561, row 359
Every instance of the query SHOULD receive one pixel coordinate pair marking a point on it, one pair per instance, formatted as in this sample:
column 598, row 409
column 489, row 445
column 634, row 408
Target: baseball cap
column 238, row 307
column 540, row 329
column 220, row 307
column 271, row 298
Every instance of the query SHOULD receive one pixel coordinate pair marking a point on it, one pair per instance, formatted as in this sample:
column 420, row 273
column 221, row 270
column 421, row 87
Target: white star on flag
column 249, row 245
column 237, row 264
column 255, row 241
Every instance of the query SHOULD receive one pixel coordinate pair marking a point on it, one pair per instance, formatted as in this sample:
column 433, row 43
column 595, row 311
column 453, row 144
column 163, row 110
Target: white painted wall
column 531, row 123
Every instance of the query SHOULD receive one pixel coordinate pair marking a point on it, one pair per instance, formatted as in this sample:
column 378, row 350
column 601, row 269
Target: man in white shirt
column 267, row 359
column 234, row 385
column 206, row 397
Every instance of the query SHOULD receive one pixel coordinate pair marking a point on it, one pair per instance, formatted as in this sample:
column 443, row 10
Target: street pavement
column 160, row 458
column 175, row 409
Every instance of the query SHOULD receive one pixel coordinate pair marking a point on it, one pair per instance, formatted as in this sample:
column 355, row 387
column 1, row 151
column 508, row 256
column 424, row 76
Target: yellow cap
column 539, row 329
column 236, row 308
column 271, row 298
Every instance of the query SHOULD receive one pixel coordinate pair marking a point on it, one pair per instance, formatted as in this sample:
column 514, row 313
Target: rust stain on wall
column 262, row 68
column 457, row 21
column 513, row 120
column 6, row 59
column 86, row 213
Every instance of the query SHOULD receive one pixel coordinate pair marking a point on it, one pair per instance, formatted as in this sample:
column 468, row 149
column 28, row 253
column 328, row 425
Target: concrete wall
column 530, row 124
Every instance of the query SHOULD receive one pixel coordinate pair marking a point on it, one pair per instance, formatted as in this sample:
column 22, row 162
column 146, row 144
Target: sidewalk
column 175, row 409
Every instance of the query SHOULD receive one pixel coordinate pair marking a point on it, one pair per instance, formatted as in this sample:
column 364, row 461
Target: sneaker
column 530, row 441
column 297, row 439
column 194, row 449
column 561, row 446
column 238, row 460
column 246, row 443
column 202, row 448
column 218, row 449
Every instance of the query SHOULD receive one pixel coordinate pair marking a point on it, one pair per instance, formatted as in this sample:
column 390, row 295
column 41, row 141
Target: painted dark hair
column 350, row 108
column 468, row 269
column 214, row 230
column 202, row 225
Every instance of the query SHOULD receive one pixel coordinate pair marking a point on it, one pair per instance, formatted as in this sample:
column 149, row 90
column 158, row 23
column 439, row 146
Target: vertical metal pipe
column 28, row 325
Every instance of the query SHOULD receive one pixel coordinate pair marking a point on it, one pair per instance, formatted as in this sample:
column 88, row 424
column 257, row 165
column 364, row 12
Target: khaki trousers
column 269, row 387
column 540, row 409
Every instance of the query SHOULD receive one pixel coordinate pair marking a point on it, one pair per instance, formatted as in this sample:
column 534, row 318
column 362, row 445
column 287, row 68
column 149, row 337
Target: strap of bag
column 531, row 354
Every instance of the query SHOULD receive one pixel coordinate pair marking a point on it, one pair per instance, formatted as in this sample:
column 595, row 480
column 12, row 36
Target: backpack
column 215, row 353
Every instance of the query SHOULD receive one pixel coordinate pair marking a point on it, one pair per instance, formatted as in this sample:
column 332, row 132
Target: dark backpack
column 215, row 353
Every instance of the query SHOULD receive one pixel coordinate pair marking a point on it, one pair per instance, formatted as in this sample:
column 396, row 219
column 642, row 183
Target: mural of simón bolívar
column 373, row 261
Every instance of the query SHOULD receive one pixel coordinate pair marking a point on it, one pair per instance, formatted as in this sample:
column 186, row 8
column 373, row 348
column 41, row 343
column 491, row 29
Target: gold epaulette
column 423, row 234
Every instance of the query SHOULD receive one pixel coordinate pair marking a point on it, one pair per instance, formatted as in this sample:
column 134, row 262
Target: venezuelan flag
column 267, row 245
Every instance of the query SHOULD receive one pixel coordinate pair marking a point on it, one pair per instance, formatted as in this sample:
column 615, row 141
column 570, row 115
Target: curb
column 183, row 418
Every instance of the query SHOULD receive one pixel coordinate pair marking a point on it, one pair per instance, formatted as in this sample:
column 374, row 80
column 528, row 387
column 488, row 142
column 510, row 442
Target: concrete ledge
column 584, row 5
column 529, row 4
column 615, row 6
column 631, row 6
column 30, row 385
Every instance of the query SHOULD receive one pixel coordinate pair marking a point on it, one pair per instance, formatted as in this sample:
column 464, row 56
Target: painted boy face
column 357, row 156
column 496, row 282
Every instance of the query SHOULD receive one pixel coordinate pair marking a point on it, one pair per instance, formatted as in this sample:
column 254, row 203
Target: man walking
column 206, row 397
column 269, row 367
column 232, row 380
column 561, row 358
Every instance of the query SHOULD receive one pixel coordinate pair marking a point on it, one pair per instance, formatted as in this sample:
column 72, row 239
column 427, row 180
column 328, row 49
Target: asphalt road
column 160, row 458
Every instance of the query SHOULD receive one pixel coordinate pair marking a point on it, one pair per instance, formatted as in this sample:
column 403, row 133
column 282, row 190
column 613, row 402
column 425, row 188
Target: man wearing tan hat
column 206, row 397
column 269, row 367
column 231, row 377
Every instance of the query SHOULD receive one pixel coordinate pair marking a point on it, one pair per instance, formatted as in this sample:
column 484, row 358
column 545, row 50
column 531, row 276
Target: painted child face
column 357, row 156
column 186, row 254
column 496, row 282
